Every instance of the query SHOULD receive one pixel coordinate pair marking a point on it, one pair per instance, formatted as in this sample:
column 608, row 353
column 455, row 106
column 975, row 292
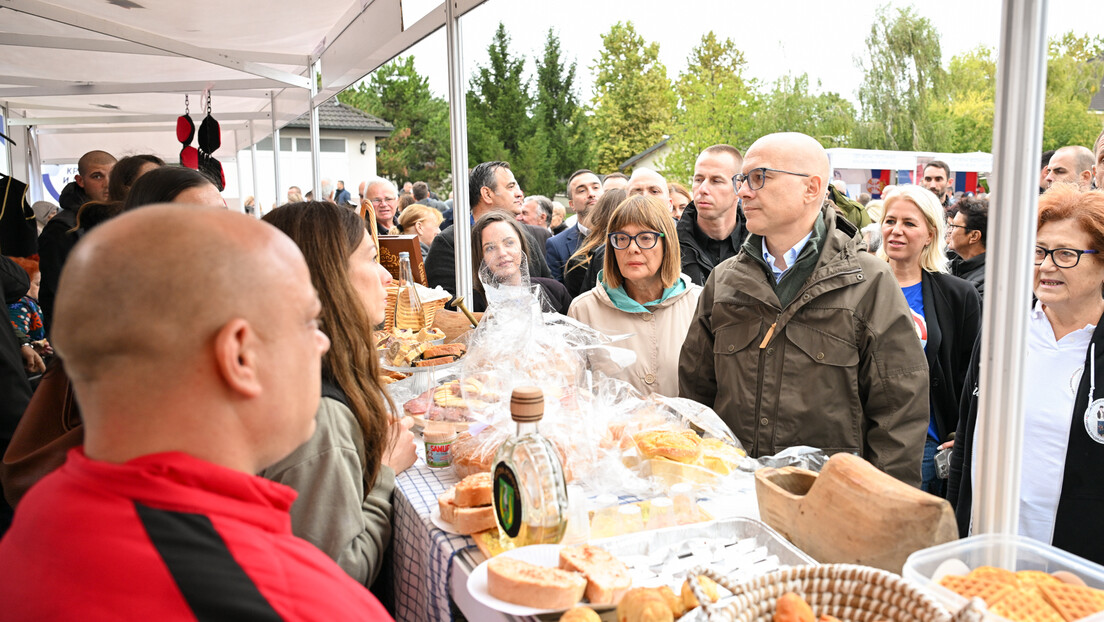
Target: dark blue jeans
column 931, row 483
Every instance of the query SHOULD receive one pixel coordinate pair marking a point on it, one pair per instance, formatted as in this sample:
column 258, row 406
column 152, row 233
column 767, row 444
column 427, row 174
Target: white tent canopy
column 842, row 158
column 78, row 75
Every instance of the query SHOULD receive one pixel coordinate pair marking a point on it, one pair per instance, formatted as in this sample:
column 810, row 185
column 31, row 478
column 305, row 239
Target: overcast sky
column 777, row 37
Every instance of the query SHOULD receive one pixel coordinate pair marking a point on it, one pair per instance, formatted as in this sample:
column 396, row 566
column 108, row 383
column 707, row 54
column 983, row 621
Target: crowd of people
column 211, row 395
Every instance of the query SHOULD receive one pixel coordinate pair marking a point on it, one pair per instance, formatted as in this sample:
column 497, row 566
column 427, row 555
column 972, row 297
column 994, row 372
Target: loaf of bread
column 607, row 577
column 445, row 349
column 467, row 520
column 440, row 360
column 474, row 490
column 522, row 583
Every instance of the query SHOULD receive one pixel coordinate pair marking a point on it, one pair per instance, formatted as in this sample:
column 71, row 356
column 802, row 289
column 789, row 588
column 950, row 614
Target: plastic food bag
column 801, row 456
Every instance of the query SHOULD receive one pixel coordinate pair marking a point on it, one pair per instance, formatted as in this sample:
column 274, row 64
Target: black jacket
column 579, row 279
column 952, row 311
column 15, row 390
column 697, row 261
column 1081, row 503
column 972, row 270
column 554, row 292
column 440, row 266
column 54, row 244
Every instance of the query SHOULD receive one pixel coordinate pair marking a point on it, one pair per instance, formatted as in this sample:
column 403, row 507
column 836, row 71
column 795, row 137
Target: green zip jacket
column 839, row 368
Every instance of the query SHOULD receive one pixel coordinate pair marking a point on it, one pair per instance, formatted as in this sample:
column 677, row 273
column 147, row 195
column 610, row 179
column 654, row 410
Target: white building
column 347, row 146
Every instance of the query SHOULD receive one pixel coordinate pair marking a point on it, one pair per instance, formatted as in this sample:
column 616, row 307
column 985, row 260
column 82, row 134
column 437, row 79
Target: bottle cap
column 404, row 254
column 527, row 404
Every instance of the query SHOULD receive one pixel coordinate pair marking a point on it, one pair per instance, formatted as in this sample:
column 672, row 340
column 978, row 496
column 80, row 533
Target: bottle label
column 507, row 500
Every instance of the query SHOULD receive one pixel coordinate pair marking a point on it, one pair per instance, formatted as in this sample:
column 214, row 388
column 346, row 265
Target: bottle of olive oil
column 530, row 494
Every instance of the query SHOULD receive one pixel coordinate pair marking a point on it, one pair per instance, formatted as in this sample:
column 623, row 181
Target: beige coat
column 656, row 337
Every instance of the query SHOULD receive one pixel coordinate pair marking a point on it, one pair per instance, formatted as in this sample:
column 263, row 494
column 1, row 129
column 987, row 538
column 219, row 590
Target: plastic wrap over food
column 801, row 456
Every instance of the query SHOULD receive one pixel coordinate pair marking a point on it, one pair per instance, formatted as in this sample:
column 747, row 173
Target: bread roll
column 522, row 583
column 644, row 604
column 580, row 614
column 445, row 349
column 607, row 577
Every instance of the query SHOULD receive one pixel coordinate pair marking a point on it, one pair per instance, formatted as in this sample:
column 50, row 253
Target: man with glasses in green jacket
column 803, row 338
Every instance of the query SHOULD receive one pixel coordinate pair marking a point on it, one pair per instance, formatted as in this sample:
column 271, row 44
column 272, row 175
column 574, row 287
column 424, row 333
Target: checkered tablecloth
column 422, row 553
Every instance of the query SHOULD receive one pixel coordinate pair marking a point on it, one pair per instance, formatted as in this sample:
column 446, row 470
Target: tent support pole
column 458, row 127
column 1017, row 139
column 257, row 210
column 316, row 176
column 275, row 148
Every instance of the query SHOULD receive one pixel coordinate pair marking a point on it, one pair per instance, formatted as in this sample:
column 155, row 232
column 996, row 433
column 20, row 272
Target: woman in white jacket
column 642, row 292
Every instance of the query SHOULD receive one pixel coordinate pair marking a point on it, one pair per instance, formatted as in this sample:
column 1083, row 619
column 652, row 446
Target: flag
column 879, row 178
column 966, row 182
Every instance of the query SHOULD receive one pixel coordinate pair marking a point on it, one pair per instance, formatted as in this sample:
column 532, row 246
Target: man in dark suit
column 491, row 186
column 583, row 190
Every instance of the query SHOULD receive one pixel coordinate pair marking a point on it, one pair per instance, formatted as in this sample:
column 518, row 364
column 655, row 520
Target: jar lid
column 527, row 404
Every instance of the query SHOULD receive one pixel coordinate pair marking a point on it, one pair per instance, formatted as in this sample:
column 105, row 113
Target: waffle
column 1026, row 606
column 989, row 591
column 996, row 575
column 1073, row 601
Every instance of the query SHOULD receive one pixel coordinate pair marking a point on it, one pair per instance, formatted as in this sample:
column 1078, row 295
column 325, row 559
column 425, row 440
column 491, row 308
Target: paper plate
column 539, row 554
column 440, row 523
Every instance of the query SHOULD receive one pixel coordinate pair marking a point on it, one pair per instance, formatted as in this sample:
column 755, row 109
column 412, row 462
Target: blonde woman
column 422, row 221
column 947, row 309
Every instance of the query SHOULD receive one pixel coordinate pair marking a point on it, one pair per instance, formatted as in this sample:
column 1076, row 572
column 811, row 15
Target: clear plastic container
column 1010, row 552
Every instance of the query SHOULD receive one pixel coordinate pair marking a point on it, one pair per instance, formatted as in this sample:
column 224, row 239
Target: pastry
column 644, row 604
column 793, row 608
column 580, row 614
column 1073, row 602
column 708, row 586
column 678, row 445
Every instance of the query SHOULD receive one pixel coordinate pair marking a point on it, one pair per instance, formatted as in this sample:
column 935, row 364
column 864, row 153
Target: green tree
column 633, row 100
column 790, row 107
column 716, row 105
column 1074, row 71
column 498, row 105
column 559, row 138
column 418, row 149
column 903, row 75
column 962, row 120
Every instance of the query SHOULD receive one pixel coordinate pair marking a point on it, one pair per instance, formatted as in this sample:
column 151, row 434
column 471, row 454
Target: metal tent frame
column 116, row 71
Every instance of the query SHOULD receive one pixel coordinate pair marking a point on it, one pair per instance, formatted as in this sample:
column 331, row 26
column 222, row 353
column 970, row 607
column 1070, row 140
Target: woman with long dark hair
column 345, row 474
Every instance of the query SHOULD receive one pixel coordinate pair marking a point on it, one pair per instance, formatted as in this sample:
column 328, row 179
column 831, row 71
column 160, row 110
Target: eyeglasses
column 1062, row 257
column 383, row 200
column 644, row 240
column 953, row 226
column 757, row 177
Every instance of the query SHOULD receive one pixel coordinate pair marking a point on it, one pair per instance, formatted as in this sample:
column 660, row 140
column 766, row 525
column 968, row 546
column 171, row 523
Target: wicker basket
column 429, row 308
column 849, row 592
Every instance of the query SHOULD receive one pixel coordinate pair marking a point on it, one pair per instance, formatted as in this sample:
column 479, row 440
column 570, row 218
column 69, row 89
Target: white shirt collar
column 789, row 256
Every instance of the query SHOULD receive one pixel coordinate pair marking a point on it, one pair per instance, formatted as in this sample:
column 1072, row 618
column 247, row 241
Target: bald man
column 812, row 341
column 160, row 515
column 1073, row 165
column 55, row 241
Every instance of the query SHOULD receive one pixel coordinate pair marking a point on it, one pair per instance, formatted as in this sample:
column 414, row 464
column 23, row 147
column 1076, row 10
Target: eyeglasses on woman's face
column 1062, row 257
column 644, row 240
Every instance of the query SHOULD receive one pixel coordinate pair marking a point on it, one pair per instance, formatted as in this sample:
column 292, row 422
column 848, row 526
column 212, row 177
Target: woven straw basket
column 848, row 592
column 429, row 308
